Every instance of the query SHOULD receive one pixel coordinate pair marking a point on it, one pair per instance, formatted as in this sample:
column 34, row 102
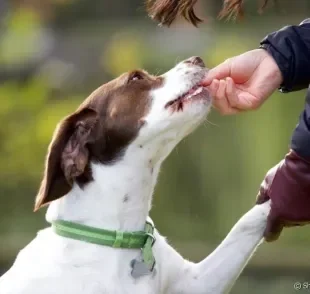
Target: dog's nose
column 195, row 60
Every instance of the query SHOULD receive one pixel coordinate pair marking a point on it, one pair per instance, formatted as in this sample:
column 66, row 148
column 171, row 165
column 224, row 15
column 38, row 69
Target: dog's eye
column 136, row 76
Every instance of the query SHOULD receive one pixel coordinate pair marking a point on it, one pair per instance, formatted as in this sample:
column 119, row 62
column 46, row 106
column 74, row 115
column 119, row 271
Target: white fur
column 51, row 264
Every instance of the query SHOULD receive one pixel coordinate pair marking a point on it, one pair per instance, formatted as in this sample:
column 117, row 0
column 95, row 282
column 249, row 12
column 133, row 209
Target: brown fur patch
column 99, row 131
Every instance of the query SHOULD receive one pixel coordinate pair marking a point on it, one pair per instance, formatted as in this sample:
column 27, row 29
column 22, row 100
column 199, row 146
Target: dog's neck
column 119, row 197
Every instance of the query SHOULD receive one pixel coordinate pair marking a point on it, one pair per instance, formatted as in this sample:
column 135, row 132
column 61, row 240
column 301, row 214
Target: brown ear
column 67, row 156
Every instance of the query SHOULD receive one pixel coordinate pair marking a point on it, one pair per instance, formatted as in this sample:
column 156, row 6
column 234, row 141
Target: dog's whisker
column 208, row 122
column 158, row 72
column 177, row 60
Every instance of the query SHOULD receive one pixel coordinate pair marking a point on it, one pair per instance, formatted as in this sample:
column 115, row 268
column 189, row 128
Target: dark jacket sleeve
column 290, row 47
column 300, row 142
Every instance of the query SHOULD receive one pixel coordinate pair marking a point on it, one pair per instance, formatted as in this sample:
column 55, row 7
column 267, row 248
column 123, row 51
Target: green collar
column 143, row 240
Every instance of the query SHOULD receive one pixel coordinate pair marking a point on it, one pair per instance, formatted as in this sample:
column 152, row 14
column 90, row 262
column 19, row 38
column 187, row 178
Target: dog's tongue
column 193, row 92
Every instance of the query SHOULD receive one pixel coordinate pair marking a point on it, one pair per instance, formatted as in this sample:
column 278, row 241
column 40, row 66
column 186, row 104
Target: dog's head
column 135, row 112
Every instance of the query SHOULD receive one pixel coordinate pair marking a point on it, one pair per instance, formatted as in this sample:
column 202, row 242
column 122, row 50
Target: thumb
column 262, row 198
column 219, row 72
column 274, row 228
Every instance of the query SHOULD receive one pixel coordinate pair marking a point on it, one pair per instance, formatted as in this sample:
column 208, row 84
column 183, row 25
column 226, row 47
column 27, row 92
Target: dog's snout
column 195, row 60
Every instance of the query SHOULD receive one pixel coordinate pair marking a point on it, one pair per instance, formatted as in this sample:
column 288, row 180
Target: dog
column 100, row 173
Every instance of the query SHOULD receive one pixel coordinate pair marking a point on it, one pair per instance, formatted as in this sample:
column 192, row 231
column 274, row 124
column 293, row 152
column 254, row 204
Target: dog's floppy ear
column 67, row 155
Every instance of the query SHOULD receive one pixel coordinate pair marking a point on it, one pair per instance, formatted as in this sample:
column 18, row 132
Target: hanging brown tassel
column 234, row 9
column 166, row 11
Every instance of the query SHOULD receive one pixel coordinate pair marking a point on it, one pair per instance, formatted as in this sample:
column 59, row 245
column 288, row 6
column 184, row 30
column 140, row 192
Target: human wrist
column 292, row 155
column 277, row 74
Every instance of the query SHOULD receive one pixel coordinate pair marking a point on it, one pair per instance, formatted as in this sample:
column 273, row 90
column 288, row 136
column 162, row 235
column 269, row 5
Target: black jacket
column 290, row 47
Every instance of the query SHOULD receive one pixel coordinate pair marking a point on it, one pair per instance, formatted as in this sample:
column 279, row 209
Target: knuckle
column 222, row 110
column 216, row 97
column 256, row 104
column 227, row 111
column 232, row 101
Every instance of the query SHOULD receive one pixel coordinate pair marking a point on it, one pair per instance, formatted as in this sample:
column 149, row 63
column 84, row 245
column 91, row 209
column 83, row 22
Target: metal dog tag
column 139, row 269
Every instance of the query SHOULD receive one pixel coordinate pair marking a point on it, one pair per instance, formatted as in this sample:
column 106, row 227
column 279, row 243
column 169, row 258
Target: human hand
column 243, row 82
column 288, row 186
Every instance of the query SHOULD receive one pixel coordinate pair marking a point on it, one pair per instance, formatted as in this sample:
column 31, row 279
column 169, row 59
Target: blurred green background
column 53, row 53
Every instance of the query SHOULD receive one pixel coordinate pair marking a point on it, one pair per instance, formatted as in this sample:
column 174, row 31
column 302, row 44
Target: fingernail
column 205, row 83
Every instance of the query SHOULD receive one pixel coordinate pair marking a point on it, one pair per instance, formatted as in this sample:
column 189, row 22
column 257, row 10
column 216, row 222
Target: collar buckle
column 152, row 238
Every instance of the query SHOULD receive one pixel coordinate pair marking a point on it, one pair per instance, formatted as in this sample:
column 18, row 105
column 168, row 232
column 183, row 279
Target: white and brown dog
column 101, row 170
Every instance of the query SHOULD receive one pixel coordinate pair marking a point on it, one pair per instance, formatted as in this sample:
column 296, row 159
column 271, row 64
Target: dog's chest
column 78, row 282
column 81, row 270
column 115, row 276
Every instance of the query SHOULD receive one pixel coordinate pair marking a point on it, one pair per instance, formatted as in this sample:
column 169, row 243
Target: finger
column 219, row 72
column 220, row 94
column 220, row 102
column 213, row 87
column 222, row 106
column 261, row 198
column 231, row 93
column 273, row 229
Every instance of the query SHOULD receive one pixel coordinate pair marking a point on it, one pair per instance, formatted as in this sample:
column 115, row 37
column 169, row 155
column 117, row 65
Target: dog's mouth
column 197, row 91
